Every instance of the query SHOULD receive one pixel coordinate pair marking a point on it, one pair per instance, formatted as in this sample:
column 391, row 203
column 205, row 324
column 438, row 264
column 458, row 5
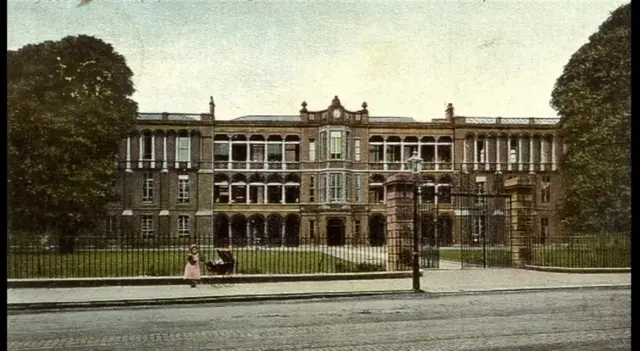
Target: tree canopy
column 593, row 100
column 68, row 108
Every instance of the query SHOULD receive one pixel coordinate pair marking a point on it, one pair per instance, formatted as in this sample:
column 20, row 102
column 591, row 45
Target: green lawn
column 555, row 256
column 133, row 263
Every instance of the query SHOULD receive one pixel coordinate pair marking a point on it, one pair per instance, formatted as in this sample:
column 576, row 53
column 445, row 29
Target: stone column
column 402, row 164
column 531, row 167
column 283, row 165
column 265, row 155
column 509, row 152
column 543, row 154
column 153, row 150
column 140, row 149
column 128, row 164
column 164, row 154
column 553, row 153
column 464, row 154
column 435, row 154
column 384, row 153
column 520, row 152
column 519, row 218
column 248, row 165
column 265, row 194
column 498, row 164
column 475, row 152
column 485, row 147
column 249, row 231
column 399, row 222
column 261, row 191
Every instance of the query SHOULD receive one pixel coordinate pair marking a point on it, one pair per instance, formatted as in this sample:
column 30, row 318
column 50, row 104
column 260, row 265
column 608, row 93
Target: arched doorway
column 335, row 232
column 292, row 231
column 221, row 230
column 377, row 230
column 274, row 230
column 239, row 230
column 256, row 230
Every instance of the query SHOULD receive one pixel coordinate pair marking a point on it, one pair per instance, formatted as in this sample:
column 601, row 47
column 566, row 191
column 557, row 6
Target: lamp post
column 414, row 163
column 432, row 248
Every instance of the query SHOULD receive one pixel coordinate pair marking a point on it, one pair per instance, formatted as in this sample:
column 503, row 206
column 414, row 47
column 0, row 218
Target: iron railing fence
column 554, row 246
column 32, row 256
column 605, row 250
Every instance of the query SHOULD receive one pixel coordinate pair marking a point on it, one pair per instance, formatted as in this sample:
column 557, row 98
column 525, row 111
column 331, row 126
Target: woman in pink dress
column 192, row 269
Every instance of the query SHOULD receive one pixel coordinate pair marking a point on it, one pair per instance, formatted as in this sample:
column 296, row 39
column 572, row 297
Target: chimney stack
column 449, row 112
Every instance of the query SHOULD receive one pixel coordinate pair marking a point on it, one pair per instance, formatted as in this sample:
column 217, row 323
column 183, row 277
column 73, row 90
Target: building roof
column 143, row 116
column 372, row 119
column 295, row 118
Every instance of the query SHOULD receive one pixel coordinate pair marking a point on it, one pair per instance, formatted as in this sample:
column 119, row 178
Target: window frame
column 184, row 189
column 184, row 221
column 147, row 226
column 336, row 188
column 147, row 187
column 336, row 149
column 147, row 146
column 312, row 150
column 312, row 188
column 182, row 148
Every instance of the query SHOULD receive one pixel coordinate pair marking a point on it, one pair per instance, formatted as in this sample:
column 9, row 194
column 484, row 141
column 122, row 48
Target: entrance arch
column 377, row 230
column 335, row 232
column 256, row 230
column 292, row 230
column 274, row 230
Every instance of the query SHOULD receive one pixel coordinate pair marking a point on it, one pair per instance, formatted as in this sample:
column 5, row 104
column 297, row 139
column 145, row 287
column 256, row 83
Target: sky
column 257, row 57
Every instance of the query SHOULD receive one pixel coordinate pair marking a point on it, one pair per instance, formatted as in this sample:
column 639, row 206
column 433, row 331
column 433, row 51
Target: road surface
column 555, row 320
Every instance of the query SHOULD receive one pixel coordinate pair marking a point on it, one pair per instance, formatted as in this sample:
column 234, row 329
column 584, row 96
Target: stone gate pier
column 399, row 222
column 521, row 190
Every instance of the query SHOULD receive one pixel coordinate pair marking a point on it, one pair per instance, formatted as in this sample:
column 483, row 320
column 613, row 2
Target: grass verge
column 131, row 263
column 549, row 256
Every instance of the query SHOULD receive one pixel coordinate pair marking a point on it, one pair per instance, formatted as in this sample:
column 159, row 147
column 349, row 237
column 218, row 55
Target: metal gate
column 464, row 223
column 483, row 223
column 429, row 233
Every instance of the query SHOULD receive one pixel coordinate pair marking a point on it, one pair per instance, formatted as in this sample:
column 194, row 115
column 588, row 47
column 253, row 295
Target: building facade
column 317, row 177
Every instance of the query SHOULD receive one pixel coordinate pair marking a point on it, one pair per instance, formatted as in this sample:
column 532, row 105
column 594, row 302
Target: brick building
column 317, row 177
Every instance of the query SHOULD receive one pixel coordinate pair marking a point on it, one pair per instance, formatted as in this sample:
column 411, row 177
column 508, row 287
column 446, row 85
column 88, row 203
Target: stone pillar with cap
column 520, row 216
column 399, row 221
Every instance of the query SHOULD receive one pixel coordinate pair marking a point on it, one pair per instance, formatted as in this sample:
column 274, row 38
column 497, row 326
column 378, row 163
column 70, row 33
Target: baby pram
column 223, row 265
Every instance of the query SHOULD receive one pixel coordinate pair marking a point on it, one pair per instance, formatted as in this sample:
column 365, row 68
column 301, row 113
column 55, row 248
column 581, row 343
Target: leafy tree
column 68, row 107
column 593, row 99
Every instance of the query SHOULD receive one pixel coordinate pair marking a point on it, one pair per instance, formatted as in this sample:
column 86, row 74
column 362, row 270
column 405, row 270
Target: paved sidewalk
column 442, row 281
